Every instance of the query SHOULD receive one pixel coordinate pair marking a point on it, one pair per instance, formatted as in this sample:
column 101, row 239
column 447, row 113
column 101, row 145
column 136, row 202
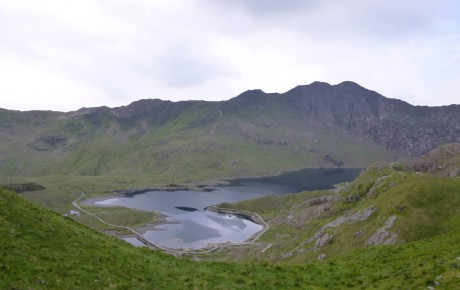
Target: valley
column 44, row 250
column 189, row 223
column 390, row 221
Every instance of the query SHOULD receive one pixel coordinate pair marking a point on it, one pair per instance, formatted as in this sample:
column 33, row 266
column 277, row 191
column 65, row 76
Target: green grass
column 40, row 249
column 425, row 206
column 61, row 190
column 118, row 216
column 203, row 142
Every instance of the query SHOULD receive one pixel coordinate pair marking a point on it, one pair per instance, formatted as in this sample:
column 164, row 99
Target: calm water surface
column 192, row 227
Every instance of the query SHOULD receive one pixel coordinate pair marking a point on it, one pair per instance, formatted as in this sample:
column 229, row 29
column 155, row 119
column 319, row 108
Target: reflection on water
column 194, row 228
column 198, row 229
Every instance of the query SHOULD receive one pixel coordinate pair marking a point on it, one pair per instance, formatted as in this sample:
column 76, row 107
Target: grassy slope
column 425, row 206
column 201, row 143
column 42, row 250
column 100, row 156
column 118, row 216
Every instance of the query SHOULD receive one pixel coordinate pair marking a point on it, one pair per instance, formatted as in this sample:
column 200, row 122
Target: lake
column 190, row 226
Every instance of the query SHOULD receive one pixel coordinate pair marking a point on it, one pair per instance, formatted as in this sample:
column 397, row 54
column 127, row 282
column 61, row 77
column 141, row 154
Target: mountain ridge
column 315, row 83
column 347, row 122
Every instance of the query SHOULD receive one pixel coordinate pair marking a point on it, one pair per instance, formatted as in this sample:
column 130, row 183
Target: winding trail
column 151, row 244
column 137, row 234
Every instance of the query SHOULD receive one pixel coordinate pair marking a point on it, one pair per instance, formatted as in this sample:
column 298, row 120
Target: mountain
column 254, row 133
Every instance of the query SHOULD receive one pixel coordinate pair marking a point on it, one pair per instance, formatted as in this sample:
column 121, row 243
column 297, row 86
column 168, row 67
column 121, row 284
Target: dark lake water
column 191, row 226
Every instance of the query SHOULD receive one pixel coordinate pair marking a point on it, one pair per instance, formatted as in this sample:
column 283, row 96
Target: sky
column 63, row 55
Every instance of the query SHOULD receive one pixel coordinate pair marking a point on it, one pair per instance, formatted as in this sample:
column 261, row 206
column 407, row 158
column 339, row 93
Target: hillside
column 254, row 133
column 443, row 161
column 387, row 204
column 389, row 228
column 42, row 250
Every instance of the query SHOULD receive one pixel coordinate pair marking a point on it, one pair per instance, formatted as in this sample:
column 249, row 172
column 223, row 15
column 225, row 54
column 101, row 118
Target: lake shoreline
column 239, row 213
column 251, row 216
column 173, row 200
column 213, row 186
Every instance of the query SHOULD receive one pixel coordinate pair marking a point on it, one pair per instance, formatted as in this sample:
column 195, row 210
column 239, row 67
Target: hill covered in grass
column 254, row 133
column 391, row 228
column 388, row 204
column 42, row 250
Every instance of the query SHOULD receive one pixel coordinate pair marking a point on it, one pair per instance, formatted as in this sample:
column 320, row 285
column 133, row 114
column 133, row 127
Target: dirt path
column 138, row 235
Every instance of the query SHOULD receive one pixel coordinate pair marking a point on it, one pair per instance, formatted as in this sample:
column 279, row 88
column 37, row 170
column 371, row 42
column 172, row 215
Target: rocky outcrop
column 321, row 257
column 48, row 141
column 356, row 217
column 393, row 123
column 383, row 236
column 321, row 237
column 443, row 161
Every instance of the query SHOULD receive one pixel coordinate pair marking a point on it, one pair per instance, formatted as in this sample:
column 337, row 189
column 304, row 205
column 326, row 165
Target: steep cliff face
column 393, row 123
column 312, row 125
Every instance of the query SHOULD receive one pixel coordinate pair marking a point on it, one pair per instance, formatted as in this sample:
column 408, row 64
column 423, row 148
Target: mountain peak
column 251, row 93
column 348, row 84
column 318, row 84
column 249, row 97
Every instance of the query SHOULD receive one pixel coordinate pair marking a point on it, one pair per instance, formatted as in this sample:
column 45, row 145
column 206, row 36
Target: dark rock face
column 392, row 123
column 48, row 141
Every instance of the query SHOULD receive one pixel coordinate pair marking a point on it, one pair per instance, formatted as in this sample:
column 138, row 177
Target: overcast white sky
column 63, row 55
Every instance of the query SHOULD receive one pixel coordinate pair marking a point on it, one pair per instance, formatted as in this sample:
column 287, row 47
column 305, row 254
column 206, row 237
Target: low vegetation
column 386, row 204
column 23, row 187
column 120, row 216
column 391, row 228
column 252, row 134
column 40, row 249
